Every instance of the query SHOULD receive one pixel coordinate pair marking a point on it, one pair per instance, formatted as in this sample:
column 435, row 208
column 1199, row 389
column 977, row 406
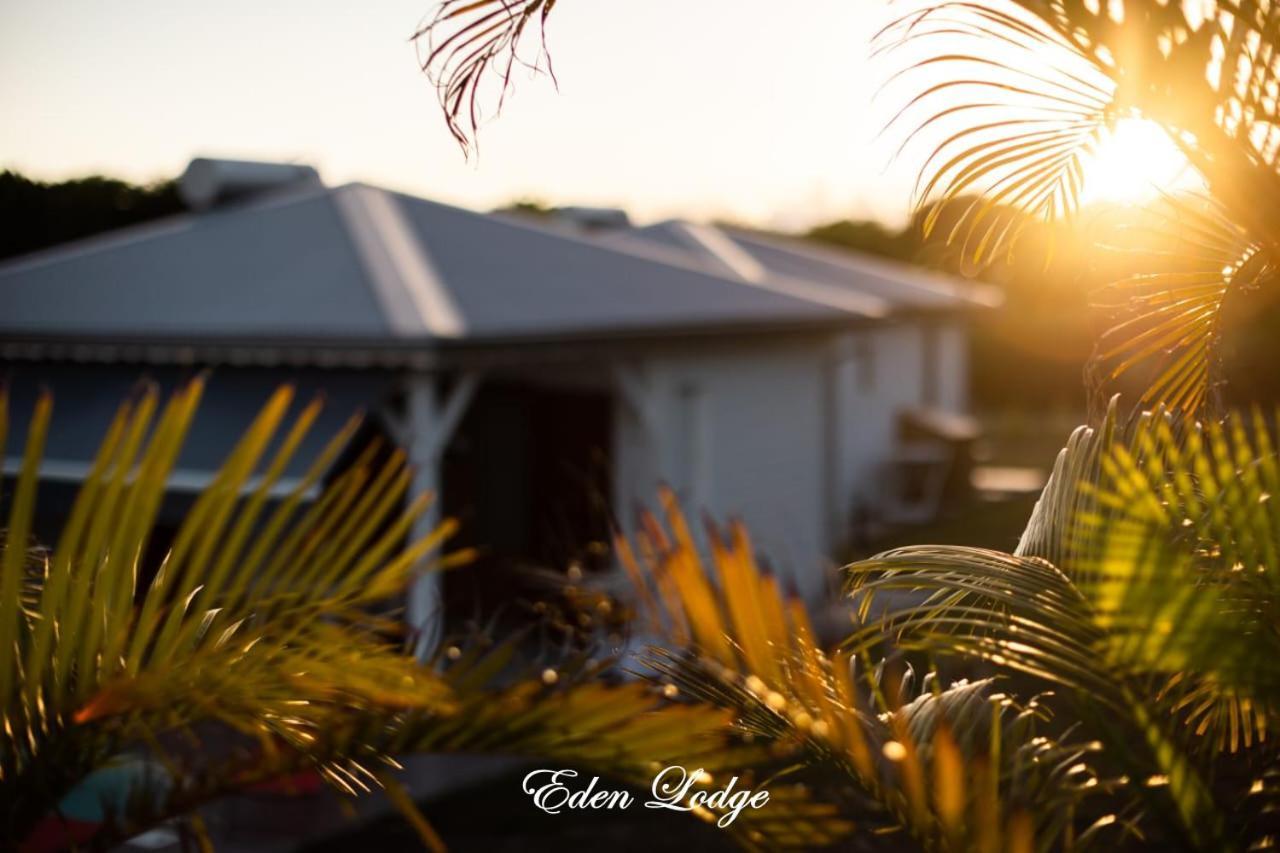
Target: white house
column 760, row 377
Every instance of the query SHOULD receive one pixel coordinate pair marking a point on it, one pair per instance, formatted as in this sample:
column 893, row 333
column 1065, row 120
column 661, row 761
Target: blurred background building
column 545, row 373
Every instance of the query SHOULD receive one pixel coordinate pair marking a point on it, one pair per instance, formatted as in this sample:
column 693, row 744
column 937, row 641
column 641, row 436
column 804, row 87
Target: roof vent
column 208, row 182
column 594, row 218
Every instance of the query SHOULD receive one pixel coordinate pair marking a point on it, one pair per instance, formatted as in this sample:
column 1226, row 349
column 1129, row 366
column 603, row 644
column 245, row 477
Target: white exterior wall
column 789, row 435
column 739, row 433
column 953, row 367
column 875, row 393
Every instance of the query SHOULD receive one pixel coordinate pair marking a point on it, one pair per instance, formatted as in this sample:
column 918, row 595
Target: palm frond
column 1145, row 582
column 468, row 46
column 1190, row 259
column 940, row 763
column 1019, row 110
column 259, row 650
column 257, row 621
column 1009, row 110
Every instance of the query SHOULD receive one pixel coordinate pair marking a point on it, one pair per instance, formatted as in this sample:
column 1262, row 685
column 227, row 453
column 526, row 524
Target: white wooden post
column 430, row 427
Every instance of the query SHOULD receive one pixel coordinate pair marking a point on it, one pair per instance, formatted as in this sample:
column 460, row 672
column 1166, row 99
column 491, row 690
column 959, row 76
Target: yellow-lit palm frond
column 955, row 766
column 1189, row 259
column 258, row 619
column 1205, row 71
column 1015, row 93
column 1007, row 111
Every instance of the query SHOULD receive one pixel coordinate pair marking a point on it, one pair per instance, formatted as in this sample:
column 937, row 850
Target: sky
column 722, row 109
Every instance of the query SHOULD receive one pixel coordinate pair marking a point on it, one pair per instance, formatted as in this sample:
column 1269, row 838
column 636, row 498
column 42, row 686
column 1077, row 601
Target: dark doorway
column 527, row 474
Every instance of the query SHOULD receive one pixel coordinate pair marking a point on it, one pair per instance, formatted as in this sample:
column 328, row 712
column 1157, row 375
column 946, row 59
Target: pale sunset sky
column 701, row 108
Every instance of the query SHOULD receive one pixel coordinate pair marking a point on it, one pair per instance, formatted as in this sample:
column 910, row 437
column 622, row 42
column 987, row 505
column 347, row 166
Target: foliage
column 956, row 766
column 264, row 646
column 1206, row 72
column 466, row 40
column 1140, row 604
column 38, row 215
column 1143, row 586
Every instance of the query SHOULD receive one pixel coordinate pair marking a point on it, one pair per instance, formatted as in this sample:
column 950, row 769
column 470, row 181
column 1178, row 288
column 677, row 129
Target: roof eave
column 382, row 353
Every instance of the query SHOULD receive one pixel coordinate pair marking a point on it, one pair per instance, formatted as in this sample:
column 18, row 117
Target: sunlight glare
column 1133, row 162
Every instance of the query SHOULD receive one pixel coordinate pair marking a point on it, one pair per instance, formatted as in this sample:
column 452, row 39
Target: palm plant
column 1143, row 589
column 1140, row 605
column 264, row 646
column 942, row 764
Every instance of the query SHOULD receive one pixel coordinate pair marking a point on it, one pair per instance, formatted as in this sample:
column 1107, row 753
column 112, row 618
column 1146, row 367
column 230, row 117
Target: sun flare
column 1133, row 162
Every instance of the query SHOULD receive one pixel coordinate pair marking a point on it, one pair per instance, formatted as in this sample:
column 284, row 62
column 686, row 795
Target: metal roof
column 787, row 262
column 358, row 263
column 281, row 267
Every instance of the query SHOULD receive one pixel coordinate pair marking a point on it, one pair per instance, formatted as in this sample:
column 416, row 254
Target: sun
column 1133, row 162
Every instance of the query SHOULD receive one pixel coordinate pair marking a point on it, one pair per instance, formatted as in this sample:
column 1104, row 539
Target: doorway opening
column 528, row 476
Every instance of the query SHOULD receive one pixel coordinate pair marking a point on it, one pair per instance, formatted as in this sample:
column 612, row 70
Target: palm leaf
column 927, row 762
column 272, row 639
column 467, row 41
column 258, row 650
column 1144, row 582
column 1190, row 259
column 1009, row 110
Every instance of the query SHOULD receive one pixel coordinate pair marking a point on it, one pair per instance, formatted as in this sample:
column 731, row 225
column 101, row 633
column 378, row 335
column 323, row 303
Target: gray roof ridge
column 701, row 237
column 640, row 248
column 935, row 281
column 397, row 264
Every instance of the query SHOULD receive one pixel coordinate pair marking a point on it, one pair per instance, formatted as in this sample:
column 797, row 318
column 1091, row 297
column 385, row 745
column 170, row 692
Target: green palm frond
column 263, row 648
column 1154, row 557
column 258, row 620
column 1145, row 582
column 1204, row 598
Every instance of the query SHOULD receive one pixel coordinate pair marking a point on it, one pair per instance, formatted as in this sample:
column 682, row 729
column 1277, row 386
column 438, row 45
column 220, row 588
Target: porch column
column 431, row 423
